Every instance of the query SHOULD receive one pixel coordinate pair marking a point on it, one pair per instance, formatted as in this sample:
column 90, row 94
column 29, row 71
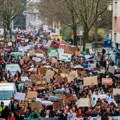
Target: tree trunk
column 9, row 29
column 85, row 37
column 96, row 28
column 5, row 32
column 75, row 35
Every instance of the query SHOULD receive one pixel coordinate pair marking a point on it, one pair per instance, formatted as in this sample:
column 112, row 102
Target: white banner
column 65, row 57
column 89, row 118
column 114, row 118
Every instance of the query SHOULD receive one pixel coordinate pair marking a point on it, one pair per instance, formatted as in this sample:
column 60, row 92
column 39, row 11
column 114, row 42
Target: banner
column 65, row 57
column 53, row 53
column 114, row 118
column 90, row 118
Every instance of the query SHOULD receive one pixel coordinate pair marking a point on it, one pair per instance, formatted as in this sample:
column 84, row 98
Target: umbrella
column 46, row 103
column 55, row 99
column 32, row 70
column 59, row 91
column 78, row 67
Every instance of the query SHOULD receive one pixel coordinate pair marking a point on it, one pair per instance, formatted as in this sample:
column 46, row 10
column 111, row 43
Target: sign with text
column 107, row 81
column 53, row 53
column 114, row 118
column 90, row 81
column 65, row 57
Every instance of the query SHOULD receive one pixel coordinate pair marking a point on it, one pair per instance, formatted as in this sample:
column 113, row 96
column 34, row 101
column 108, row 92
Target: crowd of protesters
column 69, row 110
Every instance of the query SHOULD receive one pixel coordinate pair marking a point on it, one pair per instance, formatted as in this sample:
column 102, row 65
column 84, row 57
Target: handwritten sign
column 83, row 102
column 107, row 81
column 19, row 96
column 90, row 81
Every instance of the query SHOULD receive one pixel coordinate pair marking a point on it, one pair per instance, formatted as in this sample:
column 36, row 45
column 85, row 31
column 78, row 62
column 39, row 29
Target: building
column 116, row 24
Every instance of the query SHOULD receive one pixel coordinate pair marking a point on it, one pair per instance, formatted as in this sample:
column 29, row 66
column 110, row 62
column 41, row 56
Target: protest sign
column 83, row 102
column 114, row 118
column 9, row 44
column 36, row 59
column 57, row 105
column 63, row 75
column 111, row 69
column 49, row 74
column 66, row 71
column 31, row 94
column 90, row 81
column 23, row 79
column 82, row 73
column 95, row 118
column 26, row 58
column 102, row 96
column 54, row 60
column 19, row 96
column 107, row 81
column 58, row 79
column 53, row 53
column 69, row 98
column 70, row 49
column 43, row 70
column 116, row 91
column 60, row 51
column 36, row 106
column 39, row 55
column 23, row 103
column 65, row 57
column 28, row 83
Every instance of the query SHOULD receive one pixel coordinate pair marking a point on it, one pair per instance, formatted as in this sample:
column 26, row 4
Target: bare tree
column 88, row 12
column 9, row 10
column 63, row 10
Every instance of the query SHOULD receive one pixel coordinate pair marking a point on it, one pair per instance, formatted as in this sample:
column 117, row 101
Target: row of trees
column 9, row 9
column 75, row 13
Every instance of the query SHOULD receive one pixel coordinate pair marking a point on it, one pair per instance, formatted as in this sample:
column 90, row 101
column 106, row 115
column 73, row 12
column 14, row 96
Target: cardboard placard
column 43, row 70
column 116, row 91
column 111, row 69
column 83, row 102
column 26, row 58
column 58, row 79
column 69, row 99
column 82, row 73
column 66, row 71
column 36, row 106
column 19, row 96
column 90, row 81
column 70, row 78
column 57, row 105
column 35, row 77
column 32, row 95
column 107, row 81
column 70, row 50
column 23, row 103
column 49, row 74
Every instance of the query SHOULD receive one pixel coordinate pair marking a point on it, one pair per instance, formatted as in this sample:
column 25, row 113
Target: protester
column 58, row 84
